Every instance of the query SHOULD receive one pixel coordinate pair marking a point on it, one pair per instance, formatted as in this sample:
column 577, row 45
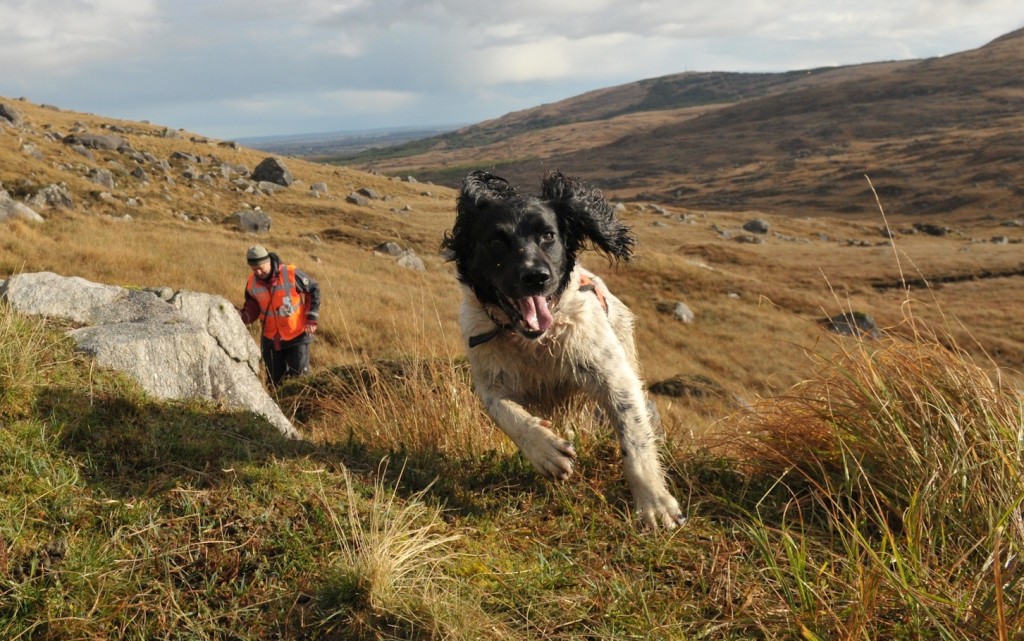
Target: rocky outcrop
column 10, row 208
column 192, row 346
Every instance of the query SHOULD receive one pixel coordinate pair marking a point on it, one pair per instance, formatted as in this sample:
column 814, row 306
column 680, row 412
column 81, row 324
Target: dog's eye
column 548, row 236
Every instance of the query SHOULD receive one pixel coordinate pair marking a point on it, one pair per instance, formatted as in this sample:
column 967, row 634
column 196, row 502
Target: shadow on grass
column 130, row 445
column 133, row 445
column 475, row 486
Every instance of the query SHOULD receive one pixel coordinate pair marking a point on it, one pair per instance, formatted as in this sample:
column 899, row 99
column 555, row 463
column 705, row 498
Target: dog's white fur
column 586, row 350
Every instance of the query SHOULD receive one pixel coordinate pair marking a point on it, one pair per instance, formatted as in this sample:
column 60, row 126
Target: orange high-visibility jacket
column 282, row 306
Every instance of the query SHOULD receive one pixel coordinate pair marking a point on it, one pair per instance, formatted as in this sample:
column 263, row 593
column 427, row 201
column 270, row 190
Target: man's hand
column 311, row 327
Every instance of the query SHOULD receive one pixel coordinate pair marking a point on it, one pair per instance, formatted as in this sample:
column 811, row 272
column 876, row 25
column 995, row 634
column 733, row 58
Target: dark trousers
column 291, row 360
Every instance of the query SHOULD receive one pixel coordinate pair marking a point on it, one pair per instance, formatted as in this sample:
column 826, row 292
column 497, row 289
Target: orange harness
column 586, row 285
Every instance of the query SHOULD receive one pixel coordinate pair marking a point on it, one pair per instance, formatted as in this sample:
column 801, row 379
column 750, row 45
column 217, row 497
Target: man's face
column 262, row 270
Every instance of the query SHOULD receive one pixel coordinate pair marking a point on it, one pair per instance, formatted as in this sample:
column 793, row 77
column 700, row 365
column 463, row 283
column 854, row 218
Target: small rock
column 757, row 226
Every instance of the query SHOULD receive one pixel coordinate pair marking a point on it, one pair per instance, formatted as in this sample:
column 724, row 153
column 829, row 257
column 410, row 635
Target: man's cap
column 257, row 254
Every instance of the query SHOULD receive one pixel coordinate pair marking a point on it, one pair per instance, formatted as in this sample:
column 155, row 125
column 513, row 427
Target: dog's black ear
column 479, row 190
column 586, row 214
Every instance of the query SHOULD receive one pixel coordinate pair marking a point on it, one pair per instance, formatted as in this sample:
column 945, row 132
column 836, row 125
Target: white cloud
column 277, row 66
column 58, row 35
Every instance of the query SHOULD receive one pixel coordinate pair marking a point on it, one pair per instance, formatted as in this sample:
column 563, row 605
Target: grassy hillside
column 939, row 136
column 835, row 488
column 667, row 93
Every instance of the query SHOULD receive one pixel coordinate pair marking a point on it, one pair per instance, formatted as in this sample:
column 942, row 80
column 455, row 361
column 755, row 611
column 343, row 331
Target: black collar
column 480, row 339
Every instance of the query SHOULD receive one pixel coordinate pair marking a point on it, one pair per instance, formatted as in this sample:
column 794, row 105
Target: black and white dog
column 539, row 327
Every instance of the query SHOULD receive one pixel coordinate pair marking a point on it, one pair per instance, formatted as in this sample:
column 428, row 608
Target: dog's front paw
column 657, row 508
column 552, row 456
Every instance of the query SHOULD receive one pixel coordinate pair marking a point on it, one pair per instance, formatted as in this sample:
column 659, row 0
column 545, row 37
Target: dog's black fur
column 508, row 246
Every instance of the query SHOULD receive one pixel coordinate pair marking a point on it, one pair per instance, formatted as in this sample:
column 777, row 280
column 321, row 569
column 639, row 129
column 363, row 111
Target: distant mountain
column 317, row 146
column 937, row 136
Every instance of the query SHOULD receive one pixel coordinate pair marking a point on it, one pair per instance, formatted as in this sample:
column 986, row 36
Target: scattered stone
column 82, row 151
column 186, row 157
column 269, row 188
column 685, row 386
column 101, row 177
column 11, row 209
column 931, row 229
column 31, row 150
column 852, row 324
column 357, row 199
column 683, row 313
column 678, row 309
column 229, row 170
column 108, row 142
column 254, row 222
column 319, row 188
column 10, row 114
column 757, row 226
column 54, row 196
column 368, row 193
column 273, row 170
column 411, row 261
column 747, row 238
column 389, row 249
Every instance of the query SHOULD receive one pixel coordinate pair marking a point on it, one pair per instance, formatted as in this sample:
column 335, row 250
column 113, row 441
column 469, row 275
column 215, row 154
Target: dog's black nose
column 535, row 277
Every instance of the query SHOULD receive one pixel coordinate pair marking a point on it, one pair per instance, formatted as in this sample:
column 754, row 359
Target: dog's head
column 518, row 251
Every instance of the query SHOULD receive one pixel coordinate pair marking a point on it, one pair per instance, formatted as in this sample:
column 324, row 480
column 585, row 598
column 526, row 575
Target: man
column 287, row 302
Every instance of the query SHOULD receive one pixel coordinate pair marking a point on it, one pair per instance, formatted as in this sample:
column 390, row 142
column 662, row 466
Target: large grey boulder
column 194, row 346
column 108, row 142
column 272, row 170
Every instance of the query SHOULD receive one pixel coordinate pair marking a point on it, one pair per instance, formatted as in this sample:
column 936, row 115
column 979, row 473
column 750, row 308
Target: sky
column 235, row 69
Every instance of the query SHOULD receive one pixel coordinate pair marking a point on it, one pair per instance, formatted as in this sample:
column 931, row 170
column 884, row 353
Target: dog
column 540, row 328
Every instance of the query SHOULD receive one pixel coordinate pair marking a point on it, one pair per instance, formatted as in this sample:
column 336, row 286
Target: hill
column 937, row 136
column 846, row 488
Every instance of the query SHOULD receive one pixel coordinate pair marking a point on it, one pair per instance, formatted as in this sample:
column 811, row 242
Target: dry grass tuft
column 409, row 405
column 389, row 578
column 912, row 457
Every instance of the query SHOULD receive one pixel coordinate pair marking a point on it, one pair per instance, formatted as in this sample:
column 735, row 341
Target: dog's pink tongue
column 535, row 313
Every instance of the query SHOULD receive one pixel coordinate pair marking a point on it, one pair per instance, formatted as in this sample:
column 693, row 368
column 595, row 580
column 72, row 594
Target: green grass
column 881, row 499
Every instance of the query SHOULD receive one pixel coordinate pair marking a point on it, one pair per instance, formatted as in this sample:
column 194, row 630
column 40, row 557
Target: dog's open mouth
column 535, row 314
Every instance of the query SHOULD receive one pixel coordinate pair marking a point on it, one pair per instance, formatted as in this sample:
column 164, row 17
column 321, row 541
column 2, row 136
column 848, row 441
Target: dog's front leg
column 551, row 455
column 622, row 396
